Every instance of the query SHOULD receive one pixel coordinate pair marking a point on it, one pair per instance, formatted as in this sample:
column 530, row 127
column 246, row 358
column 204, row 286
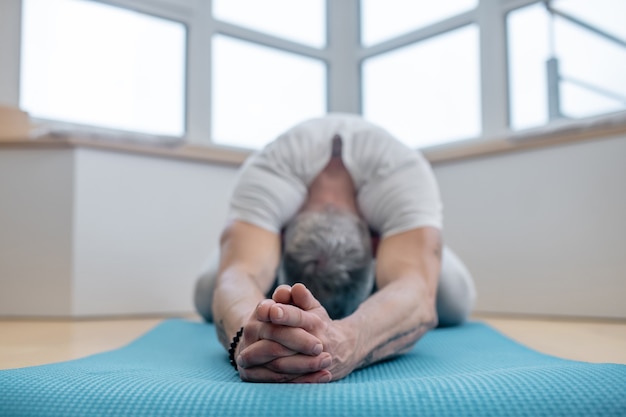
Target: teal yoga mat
column 179, row 369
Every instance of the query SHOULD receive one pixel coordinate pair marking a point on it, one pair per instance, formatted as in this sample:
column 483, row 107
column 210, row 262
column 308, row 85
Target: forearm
column 391, row 321
column 236, row 296
column 403, row 309
column 249, row 256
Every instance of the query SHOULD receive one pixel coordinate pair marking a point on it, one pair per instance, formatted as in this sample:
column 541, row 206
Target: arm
column 388, row 323
column 403, row 308
column 248, row 260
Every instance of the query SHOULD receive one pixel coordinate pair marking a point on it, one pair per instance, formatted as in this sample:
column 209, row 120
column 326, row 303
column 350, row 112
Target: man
column 346, row 220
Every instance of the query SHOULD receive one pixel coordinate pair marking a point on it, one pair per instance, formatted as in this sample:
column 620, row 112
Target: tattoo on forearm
column 397, row 344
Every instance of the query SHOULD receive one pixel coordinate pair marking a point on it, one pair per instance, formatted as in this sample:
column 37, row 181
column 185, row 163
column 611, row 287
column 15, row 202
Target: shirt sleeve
column 405, row 199
column 266, row 195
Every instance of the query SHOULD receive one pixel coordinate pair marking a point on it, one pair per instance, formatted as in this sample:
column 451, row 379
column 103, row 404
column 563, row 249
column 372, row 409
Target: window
column 302, row 21
column 259, row 92
column 429, row 92
column 423, row 86
column 566, row 60
column 386, row 19
column 429, row 72
column 90, row 63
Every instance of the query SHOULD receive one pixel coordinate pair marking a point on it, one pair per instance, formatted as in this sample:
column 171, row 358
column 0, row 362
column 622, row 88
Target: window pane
column 301, row 21
column 581, row 102
column 528, row 49
column 596, row 64
column 427, row 93
column 590, row 76
column 384, row 19
column 89, row 63
column 610, row 15
column 259, row 92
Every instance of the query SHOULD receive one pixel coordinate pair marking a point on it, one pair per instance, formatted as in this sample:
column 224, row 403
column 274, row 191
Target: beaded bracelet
column 233, row 347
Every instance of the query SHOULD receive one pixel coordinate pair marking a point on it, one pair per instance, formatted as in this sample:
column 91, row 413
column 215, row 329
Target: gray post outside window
column 10, row 29
column 344, row 72
column 554, row 95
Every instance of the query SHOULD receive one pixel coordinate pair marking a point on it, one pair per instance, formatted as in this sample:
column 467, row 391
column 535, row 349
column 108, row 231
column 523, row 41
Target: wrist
column 345, row 349
column 232, row 350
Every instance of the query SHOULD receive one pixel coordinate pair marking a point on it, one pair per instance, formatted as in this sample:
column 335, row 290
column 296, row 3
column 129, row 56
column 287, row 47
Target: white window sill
column 550, row 135
column 556, row 133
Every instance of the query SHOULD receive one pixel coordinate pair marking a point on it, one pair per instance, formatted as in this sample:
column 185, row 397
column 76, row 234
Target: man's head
column 329, row 251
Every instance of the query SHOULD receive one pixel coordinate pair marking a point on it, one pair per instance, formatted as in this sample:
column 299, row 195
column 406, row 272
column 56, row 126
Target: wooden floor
column 34, row 342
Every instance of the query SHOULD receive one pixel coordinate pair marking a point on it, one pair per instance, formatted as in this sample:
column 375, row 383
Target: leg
column 456, row 292
column 203, row 296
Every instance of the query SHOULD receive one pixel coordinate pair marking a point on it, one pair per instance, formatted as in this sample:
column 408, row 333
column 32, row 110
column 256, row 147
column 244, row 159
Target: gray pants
column 456, row 292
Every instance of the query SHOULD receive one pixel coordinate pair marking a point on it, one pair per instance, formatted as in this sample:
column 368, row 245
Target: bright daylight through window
column 259, row 92
column 300, row 21
column 430, row 72
column 89, row 63
column 428, row 92
column 567, row 60
column 382, row 20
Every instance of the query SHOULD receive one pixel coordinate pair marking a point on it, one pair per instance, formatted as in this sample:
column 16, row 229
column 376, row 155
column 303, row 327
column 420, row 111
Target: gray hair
column 329, row 252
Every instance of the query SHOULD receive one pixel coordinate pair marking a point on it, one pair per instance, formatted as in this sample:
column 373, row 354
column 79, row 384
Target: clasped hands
column 291, row 338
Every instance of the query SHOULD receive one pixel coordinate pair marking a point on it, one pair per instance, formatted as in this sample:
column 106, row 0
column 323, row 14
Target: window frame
column 343, row 56
column 169, row 11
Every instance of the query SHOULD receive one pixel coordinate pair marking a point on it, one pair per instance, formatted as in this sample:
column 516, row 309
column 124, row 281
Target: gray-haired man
column 346, row 220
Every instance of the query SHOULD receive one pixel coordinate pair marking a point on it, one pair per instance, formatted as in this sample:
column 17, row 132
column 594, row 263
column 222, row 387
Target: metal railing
column 555, row 78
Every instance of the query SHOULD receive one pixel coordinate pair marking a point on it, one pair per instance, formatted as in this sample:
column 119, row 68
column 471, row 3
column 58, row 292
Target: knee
column 453, row 312
column 203, row 298
column 205, row 285
column 456, row 294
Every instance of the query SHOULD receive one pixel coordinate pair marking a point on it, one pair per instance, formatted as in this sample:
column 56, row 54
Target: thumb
column 303, row 298
column 282, row 294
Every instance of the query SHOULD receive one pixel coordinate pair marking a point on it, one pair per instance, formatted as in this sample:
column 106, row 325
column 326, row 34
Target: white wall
column 92, row 232
column 543, row 231
column 35, row 231
column 143, row 227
